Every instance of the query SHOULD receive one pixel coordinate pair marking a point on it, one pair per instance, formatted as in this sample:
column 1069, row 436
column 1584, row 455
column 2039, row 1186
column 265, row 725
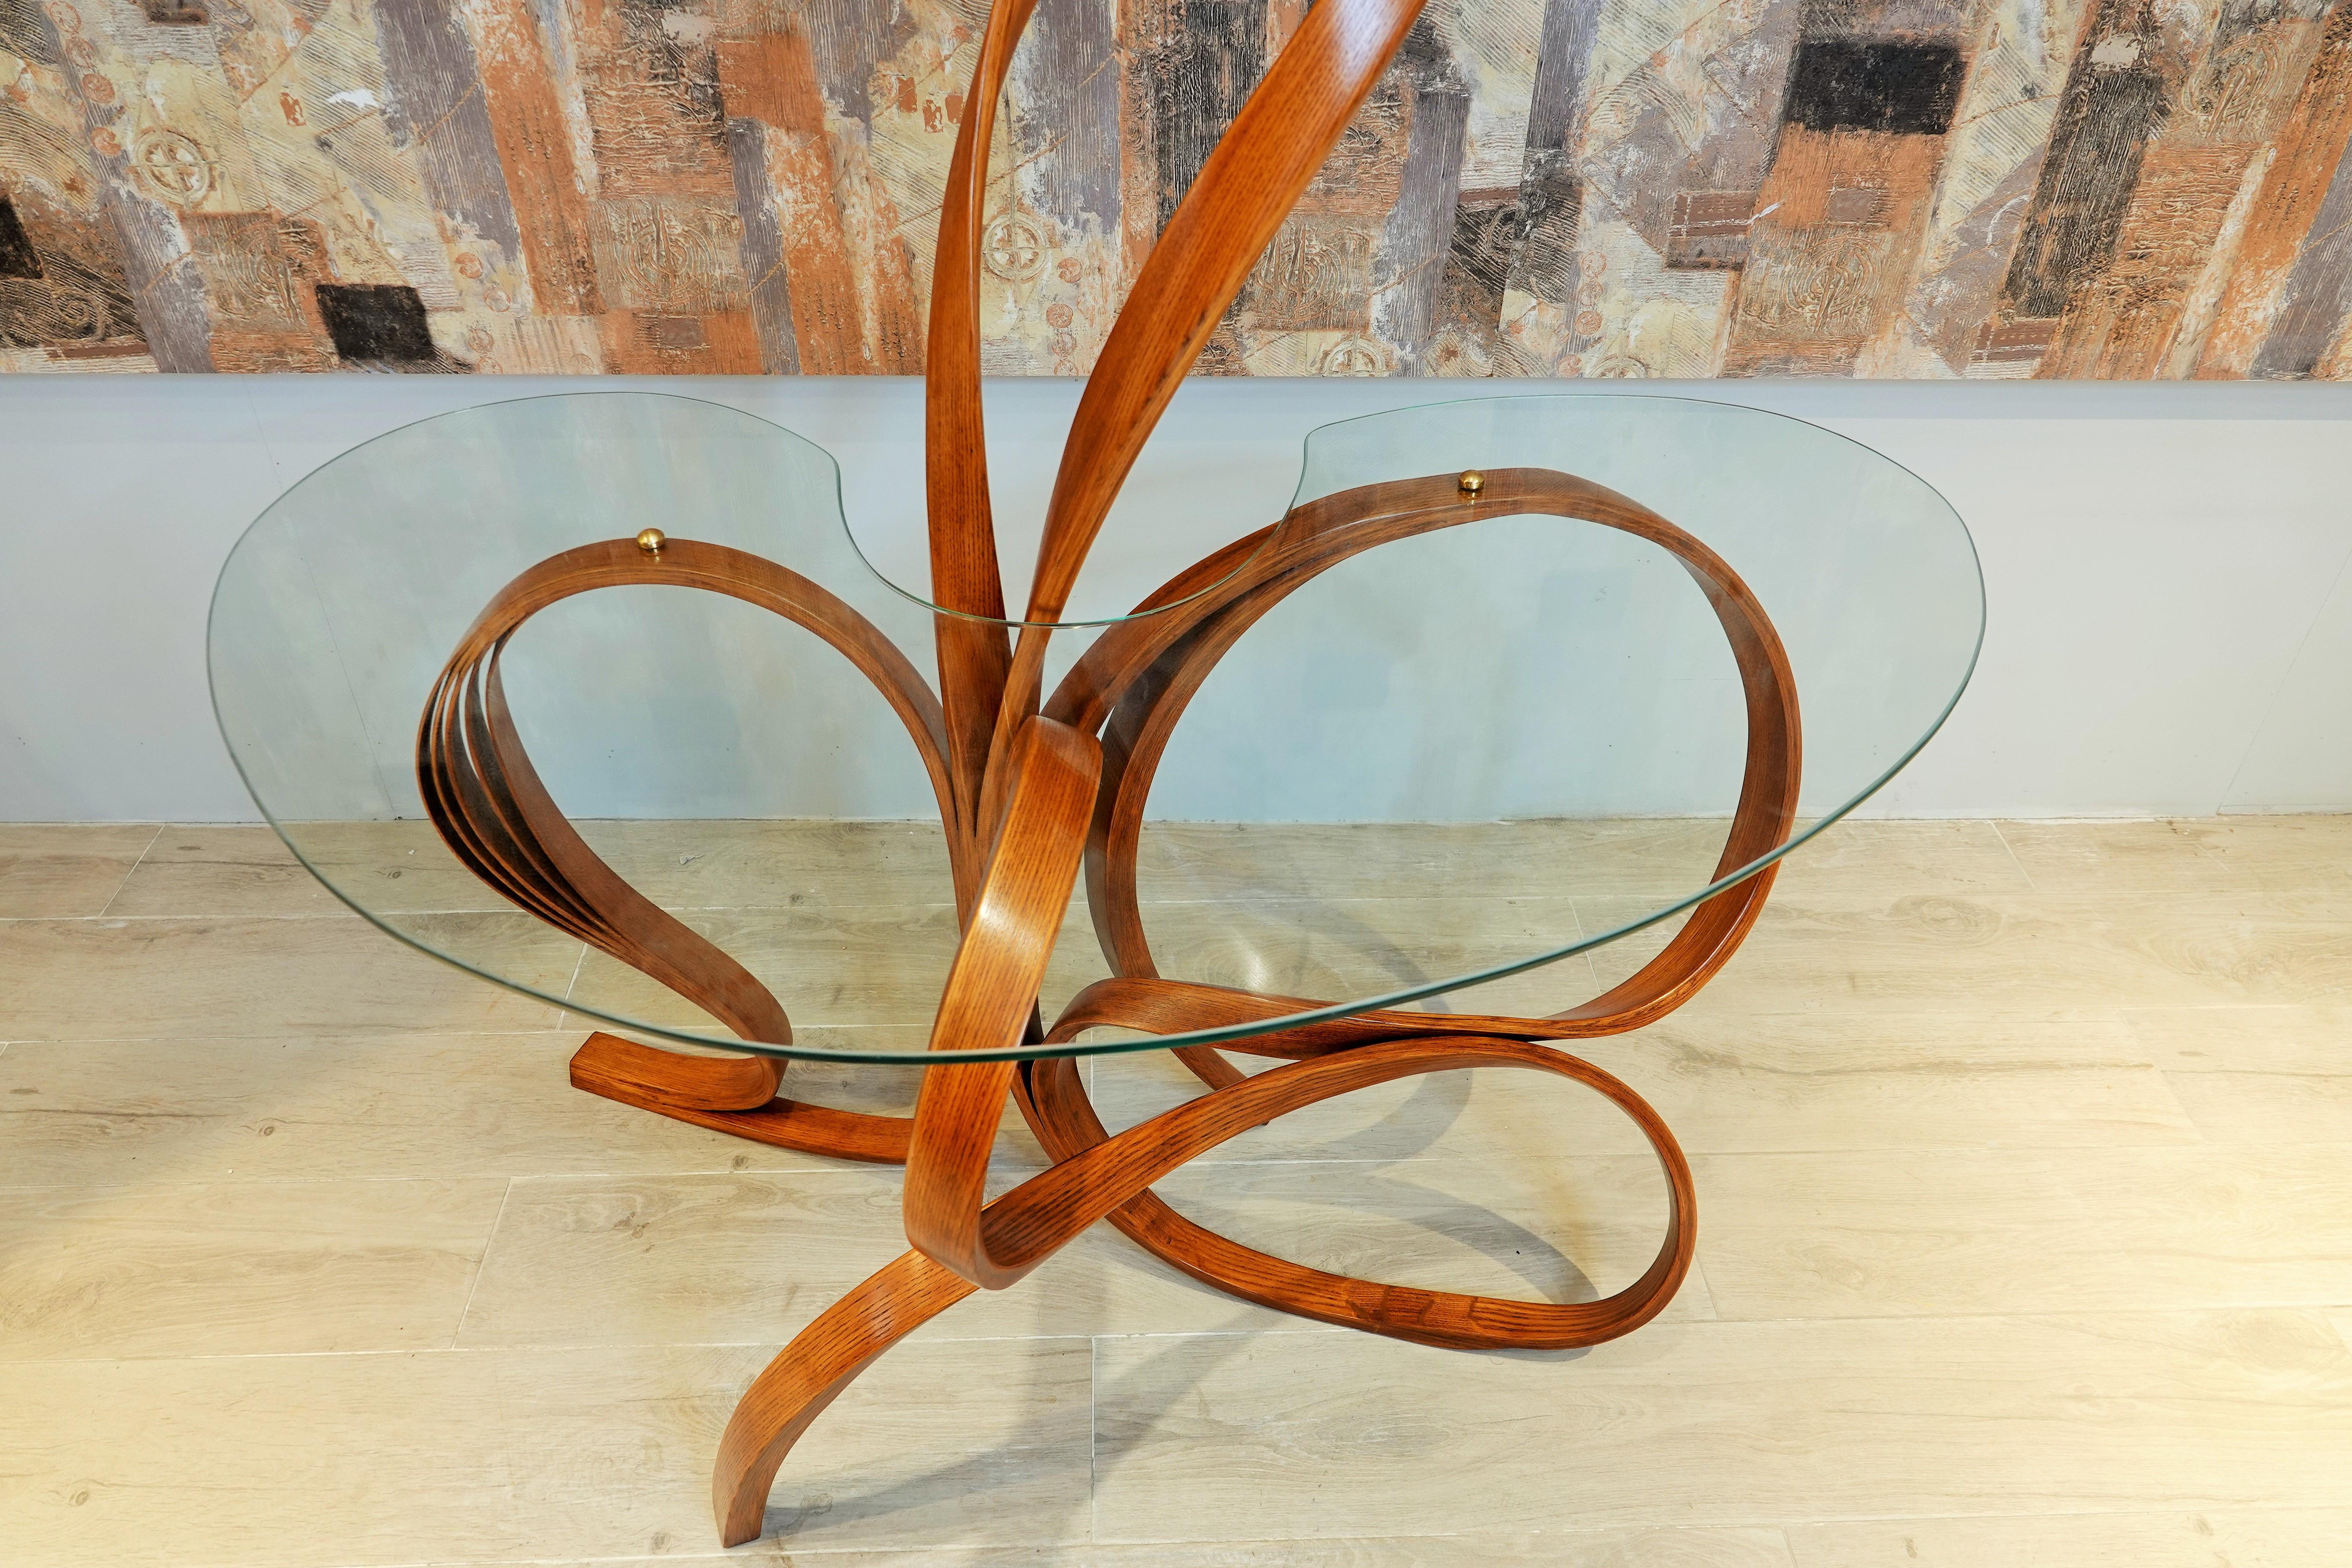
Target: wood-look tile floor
column 2024, row 1155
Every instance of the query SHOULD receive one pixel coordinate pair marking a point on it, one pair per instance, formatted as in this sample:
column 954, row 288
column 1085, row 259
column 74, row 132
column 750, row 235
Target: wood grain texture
column 2188, row 1539
column 1095, row 1175
column 1921, row 1418
column 357, row 1104
column 1533, row 187
column 240, row 1268
column 2106, row 1436
column 496, row 816
column 58, row 870
column 79, row 979
column 1136, row 679
column 1027, row 795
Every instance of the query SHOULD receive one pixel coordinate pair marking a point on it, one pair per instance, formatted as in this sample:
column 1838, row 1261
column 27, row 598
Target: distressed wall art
column 1899, row 188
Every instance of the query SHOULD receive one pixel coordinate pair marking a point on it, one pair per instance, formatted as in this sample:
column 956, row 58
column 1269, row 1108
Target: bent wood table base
column 1075, row 771
column 1034, row 786
column 400, row 577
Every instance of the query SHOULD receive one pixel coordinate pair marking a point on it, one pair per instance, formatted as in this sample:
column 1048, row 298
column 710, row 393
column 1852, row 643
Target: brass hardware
column 1473, row 481
column 651, row 540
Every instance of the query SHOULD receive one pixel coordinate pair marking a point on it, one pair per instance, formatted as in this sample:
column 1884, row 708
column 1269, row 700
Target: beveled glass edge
column 925, row 1057
column 1306, row 444
column 654, row 394
column 1082, row 623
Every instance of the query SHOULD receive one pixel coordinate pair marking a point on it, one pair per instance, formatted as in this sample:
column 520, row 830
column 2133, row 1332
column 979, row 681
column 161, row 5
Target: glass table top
column 1482, row 769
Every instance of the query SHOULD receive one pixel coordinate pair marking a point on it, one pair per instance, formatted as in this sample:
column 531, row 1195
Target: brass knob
column 1473, row 481
column 651, row 540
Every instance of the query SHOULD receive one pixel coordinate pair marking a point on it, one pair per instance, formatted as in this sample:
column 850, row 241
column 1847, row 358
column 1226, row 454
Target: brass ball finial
column 1473, row 481
column 651, row 540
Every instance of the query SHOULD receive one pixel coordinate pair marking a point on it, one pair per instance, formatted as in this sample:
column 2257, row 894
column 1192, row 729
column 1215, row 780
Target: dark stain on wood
column 17, row 258
column 1468, row 308
column 27, row 34
column 1210, row 56
column 1068, row 134
column 1908, row 89
column 1551, row 198
column 376, row 323
column 692, row 185
column 77, row 303
column 2112, row 105
column 1416, row 238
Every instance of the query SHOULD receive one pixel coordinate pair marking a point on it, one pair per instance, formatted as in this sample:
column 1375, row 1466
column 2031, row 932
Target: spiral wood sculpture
column 1031, row 786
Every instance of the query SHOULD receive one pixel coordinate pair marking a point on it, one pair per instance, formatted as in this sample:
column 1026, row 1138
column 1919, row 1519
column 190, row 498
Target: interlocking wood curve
column 498, row 819
column 1032, row 790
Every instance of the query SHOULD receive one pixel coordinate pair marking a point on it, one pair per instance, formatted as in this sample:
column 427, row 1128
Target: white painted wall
column 2169, row 567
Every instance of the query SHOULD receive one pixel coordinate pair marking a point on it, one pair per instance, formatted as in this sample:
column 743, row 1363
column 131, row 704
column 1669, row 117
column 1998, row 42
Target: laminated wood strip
column 498, row 817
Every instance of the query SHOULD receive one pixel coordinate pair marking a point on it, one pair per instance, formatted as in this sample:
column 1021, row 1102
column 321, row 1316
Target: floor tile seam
column 1074, row 925
column 1697, row 1152
column 1999, row 1155
column 482, row 1262
column 1406, row 1537
column 571, row 1347
column 621, row 1174
column 2014, row 858
column 228, row 1179
column 579, row 963
column 340, row 913
column 598, row 1347
column 924, row 1336
column 845, row 1174
column 2254, row 1072
column 2206, row 1137
column 2158, row 1512
column 1799, row 899
column 1995, row 1154
column 144, row 850
column 1782, row 1527
column 1762, row 1524
column 1096, row 1338
column 1094, row 1446
column 2207, row 1140
column 1696, row 1275
column 357, row 1039
column 2029, row 1313
column 2056, row 1315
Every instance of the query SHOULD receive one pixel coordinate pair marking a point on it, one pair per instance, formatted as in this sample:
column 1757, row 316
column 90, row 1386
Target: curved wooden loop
column 498, row 817
column 1100, row 1176
column 1138, row 679
column 991, row 995
column 1158, row 1006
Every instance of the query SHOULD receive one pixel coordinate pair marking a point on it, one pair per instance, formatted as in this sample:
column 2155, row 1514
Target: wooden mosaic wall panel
column 1897, row 188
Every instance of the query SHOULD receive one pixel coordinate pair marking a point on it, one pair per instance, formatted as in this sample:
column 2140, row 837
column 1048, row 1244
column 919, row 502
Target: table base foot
column 735, row 1095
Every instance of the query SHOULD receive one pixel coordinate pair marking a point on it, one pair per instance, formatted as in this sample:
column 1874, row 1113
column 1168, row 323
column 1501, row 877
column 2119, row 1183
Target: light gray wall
column 2167, row 565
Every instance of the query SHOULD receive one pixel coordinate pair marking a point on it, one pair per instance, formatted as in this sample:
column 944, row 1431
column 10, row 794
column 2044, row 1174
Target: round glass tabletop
column 1482, row 768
